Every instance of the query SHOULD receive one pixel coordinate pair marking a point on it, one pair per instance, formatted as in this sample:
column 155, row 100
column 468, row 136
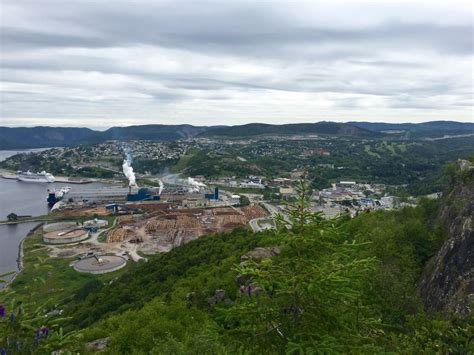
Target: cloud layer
column 111, row 63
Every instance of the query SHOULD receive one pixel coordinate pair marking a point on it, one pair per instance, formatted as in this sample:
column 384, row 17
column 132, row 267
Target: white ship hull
column 33, row 180
column 42, row 177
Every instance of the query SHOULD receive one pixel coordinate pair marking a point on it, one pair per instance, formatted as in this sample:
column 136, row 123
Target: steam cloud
column 194, row 186
column 161, row 186
column 191, row 184
column 128, row 170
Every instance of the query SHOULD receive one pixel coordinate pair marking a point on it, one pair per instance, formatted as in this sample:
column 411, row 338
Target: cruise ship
column 35, row 177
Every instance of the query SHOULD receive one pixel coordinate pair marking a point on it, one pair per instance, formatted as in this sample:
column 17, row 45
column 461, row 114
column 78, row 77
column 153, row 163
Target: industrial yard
column 135, row 235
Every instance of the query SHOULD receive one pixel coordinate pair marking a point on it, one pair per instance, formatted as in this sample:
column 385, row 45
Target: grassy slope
column 146, row 307
column 151, row 300
column 46, row 281
column 207, row 261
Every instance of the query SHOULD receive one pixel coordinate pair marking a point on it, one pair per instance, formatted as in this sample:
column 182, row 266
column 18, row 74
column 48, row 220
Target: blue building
column 143, row 194
column 213, row 196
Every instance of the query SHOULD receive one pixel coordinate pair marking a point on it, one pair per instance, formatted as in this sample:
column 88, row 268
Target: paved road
column 274, row 210
column 256, row 227
column 117, row 248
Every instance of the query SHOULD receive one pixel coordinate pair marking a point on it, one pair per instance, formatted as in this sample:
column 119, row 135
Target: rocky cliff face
column 447, row 284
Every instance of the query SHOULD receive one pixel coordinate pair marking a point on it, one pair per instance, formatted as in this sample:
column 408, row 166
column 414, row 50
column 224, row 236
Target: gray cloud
column 198, row 62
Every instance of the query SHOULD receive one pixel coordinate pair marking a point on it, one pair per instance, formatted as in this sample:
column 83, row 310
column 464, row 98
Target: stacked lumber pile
column 172, row 223
column 126, row 219
column 223, row 211
column 117, row 235
column 230, row 220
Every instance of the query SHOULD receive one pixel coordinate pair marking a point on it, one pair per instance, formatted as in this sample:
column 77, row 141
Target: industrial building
column 178, row 196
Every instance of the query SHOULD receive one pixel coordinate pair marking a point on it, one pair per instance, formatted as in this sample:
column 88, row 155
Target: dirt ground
column 159, row 231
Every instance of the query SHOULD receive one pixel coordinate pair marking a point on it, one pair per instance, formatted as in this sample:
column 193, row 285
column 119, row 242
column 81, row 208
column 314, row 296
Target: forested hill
column 43, row 137
column 153, row 132
column 255, row 129
column 433, row 128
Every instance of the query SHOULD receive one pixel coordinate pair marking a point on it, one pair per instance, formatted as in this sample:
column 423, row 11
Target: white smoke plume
column 127, row 168
column 194, row 186
column 161, row 186
column 128, row 172
column 191, row 184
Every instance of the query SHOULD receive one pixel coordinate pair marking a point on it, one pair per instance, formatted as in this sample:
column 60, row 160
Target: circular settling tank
column 52, row 227
column 100, row 264
column 64, row 236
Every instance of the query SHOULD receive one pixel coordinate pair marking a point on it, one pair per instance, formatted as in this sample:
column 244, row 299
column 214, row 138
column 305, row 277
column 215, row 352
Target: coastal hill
column 44, row 137
column 41, row 137
column 433, row 128
column 255, row 129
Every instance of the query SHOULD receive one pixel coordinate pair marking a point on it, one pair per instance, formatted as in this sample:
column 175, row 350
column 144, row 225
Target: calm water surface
column 22, row 198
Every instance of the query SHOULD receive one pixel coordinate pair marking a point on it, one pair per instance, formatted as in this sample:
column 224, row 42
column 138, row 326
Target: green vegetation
column 46, row 281
column 94, row 172
column 12, row 217
column 182, row 163
column 336, row 286
column 369, row 152
column 37, row 295
column 394, row 160
column 255, row 129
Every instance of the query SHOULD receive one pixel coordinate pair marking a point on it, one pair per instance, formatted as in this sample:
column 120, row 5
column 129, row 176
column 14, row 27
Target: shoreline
column 19, row 260
column 11, row 175
column 33, row 219
column 63, row 180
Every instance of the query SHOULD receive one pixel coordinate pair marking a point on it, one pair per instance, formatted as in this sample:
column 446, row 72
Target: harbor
column 24, row 199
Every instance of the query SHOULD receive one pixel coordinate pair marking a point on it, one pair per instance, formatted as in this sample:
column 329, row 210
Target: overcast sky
column 106, row 63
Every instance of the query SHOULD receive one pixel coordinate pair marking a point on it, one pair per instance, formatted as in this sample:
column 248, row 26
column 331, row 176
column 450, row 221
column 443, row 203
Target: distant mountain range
column 43, row 137
column 448, row 126
column 255, row 129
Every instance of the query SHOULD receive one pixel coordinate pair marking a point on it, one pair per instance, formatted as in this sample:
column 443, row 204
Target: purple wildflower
column 45, row 331
column 2, row 311
column 12, row 317
column 3, row 351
